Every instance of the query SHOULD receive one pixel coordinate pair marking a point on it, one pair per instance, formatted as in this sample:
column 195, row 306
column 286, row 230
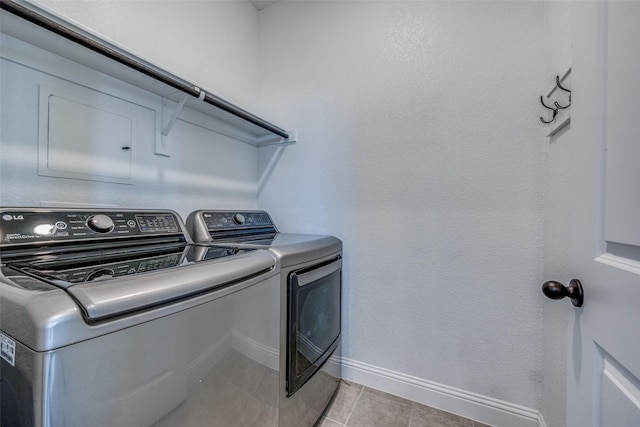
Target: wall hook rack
column 557, row 106
column 559, row 86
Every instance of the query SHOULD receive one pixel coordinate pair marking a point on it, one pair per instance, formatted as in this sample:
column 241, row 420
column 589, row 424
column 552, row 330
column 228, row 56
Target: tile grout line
column 346, row 423
column 335, row 421
column 413, row 405
column 332, row 420
column 468, row 422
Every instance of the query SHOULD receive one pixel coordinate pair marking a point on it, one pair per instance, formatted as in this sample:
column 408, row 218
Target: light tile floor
column 357, row 406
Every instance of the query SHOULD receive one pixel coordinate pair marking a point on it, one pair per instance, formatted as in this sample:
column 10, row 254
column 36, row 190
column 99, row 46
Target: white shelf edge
column 43, row 38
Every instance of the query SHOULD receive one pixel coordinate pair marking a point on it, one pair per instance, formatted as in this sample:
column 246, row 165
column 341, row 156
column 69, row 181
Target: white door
column 603, row 372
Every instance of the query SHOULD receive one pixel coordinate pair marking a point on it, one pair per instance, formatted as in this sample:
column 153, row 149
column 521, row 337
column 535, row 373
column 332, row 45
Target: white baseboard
column 471, row 405
column 541, row 422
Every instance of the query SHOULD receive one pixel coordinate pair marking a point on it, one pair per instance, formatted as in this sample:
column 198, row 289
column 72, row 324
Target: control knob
column 238, row 219
column 100, row 223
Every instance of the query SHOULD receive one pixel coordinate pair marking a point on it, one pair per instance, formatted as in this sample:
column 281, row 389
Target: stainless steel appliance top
column 90, row 271
column 255, row 229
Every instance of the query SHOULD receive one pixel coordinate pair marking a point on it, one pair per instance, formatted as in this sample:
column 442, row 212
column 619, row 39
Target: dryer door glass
column 314, row 320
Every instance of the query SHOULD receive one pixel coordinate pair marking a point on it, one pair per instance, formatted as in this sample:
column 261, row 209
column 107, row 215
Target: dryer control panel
column 226, row 220
column 215, row 226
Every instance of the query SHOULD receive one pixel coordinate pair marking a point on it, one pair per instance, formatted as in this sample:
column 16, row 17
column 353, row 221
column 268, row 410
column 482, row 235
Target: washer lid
column 119, row 282
column 138, row 292
column 44, row 317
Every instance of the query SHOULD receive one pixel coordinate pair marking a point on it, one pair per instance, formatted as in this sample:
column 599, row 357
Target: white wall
column 557, row 214
column 205, row 170
column 420, row 146
column 209, row 43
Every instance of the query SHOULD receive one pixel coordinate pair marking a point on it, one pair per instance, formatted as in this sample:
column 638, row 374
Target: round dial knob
column 238, row 219
column 100, row 223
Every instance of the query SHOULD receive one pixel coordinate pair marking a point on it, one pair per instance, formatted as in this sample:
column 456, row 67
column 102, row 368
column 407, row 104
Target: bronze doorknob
column 556, row 290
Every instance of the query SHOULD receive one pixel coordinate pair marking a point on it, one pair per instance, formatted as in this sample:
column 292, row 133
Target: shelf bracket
column 169, row 118
column 277, row 140
column 172, row 116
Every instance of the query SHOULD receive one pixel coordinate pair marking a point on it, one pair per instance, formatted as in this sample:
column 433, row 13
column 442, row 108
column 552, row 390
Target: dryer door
column 313, row 320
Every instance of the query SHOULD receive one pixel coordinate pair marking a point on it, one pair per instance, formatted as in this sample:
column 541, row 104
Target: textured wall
column 556, row 246
column 420, row 147
column 557, row 216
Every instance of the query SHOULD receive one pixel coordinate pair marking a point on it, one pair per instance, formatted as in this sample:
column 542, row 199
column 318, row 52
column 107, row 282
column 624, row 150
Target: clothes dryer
column 310, row 301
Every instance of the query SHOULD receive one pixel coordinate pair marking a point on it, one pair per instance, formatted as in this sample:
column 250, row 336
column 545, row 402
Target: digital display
column 154, row 223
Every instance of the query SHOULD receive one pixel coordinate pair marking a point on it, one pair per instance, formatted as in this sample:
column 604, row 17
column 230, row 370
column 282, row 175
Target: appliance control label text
column 8, row 349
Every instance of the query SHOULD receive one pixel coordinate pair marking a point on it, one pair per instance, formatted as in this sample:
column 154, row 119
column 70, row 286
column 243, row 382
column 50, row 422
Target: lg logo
column 8, row 217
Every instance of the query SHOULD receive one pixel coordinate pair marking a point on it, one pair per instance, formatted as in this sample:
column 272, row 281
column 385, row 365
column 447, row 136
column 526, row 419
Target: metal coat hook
column 564, row 89
column 560, row 106
column 555, row 111
column 555, row 103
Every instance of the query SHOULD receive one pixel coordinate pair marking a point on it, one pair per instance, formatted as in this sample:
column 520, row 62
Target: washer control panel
column 23, row 226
